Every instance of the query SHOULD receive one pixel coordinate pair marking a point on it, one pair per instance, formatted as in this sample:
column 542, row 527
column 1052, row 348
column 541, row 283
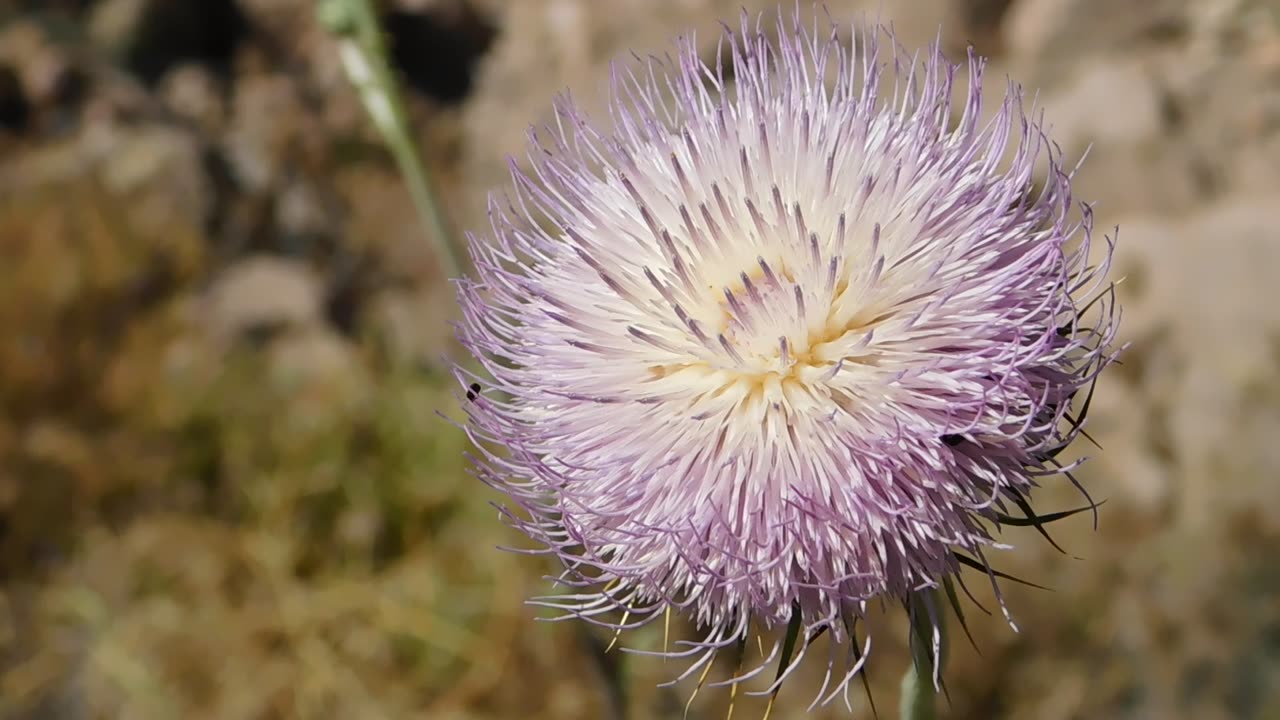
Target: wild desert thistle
column 796, row 334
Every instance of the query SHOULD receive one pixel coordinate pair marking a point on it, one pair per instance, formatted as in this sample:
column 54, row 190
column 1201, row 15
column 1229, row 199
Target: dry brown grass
column 192, row 532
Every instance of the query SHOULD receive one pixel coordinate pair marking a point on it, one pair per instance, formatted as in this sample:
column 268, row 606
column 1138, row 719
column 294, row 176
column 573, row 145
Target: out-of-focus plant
column 363, row 51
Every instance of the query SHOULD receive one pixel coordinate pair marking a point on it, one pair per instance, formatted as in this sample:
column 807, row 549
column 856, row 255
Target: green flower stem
column 918, row 694
column 363, row 53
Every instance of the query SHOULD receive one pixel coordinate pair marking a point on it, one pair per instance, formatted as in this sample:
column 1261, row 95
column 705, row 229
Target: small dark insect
column 952, row 440
column 473, row 392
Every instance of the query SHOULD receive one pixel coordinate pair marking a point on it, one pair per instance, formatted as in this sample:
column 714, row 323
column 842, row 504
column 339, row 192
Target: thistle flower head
column 792, row 334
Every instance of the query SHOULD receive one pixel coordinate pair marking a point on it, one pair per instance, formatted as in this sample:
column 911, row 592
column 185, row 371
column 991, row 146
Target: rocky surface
column 223, row 488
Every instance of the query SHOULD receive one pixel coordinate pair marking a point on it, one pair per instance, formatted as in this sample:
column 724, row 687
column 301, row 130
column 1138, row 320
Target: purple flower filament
column 778, row 345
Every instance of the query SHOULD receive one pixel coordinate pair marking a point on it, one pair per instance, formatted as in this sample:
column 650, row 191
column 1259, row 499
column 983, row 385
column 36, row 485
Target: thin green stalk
column 919, row 696
column 363, row 53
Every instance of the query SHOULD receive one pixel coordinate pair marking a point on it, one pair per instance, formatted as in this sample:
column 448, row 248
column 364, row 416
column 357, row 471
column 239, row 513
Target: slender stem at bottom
column 928, row 646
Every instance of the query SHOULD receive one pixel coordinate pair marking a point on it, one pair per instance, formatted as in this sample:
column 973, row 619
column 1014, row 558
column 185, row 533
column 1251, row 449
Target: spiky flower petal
column 792, row 335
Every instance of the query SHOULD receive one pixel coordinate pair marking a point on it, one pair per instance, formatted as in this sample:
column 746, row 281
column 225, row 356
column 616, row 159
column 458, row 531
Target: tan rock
column 1061, row 31
column 264, row 293
column 192, row 93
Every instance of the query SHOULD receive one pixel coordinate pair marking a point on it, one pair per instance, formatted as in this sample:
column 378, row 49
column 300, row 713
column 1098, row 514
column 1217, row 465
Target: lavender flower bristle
column 759, row 355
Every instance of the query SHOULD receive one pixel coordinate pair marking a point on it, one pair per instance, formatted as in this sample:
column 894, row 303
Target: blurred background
column 225, row 490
